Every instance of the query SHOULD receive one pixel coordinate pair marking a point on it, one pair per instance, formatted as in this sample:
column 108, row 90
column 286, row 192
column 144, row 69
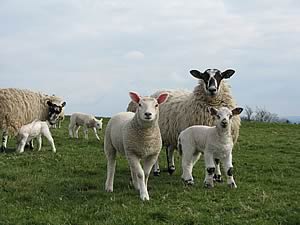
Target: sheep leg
column 170, row 159
column 85, row 131
column 134, row 180
column 4, row 140
column 50, row 140
column 95, row 131
column 228, row 168
column 76, row 129
column 110, row 154
column 210, row 169
column 217, row 175
column 148, row 164
column 71, row 130
column 156, row 170
column 187, row 162
column 39, row 140
column 136, row 168
column 21, row 145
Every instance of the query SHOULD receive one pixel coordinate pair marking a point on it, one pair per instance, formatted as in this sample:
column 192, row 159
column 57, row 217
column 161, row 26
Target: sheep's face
column 55, row 111
column 98, row 124
column 212, row 79
column 147, row 106
column 224, row 115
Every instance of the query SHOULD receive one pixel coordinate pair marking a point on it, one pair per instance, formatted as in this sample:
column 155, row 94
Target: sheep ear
column 162, row 98
column 134, row 97
column 213, row 111
column 197, row 74
column 227, row 73
column 63, row 104
column 237, row 111
column 101, row 120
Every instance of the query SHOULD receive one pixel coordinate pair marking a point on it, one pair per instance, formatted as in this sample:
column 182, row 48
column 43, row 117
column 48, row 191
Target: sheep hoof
column 232, row 185
column 2, row 149
column 189, row 182
column 218, row 178
column 208, row 185
column 171, row 170
column 156, row 173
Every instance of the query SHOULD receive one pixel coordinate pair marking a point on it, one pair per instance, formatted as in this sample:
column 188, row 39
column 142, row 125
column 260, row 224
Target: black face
column 212, row 79
column 54, row 112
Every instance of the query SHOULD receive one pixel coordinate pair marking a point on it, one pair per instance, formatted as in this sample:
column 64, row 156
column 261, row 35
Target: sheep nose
column 148, row 114
column 212, row 90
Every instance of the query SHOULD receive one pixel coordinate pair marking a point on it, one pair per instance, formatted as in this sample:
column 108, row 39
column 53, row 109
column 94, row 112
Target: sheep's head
column 147, row 108
column 98, row 123
column 55, row 110
column 212, row 79
column 224, row 115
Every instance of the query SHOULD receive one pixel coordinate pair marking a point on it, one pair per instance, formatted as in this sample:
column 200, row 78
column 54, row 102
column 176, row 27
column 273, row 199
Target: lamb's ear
column 237, row 111
column 135, row 97
column 213, row 111
column 49, row 103
column 197, row 74
column 227, row 73
column 101, row 120
column 63, row 104
column 162, row 98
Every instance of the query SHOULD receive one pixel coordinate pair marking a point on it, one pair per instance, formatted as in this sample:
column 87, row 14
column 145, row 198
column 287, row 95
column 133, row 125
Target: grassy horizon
column 68, row 187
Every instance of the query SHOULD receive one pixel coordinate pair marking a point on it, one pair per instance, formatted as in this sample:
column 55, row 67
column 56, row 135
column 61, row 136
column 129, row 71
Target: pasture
column 68, row 187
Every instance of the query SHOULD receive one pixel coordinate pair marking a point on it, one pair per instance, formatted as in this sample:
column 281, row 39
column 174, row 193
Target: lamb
column 137, row 136
column 214, row 142
column 19, row 107
column 85, row 120
column 34, row 130
column 184, row 109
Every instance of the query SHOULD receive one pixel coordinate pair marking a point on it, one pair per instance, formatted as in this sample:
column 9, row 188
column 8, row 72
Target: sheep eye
column 156, row 105
column 218, row 117
column 230, row 116
column 140, row 105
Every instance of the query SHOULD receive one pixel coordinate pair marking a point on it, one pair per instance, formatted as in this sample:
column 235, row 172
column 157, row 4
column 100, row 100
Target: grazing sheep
column 85, row 120
column 19, row 107
column 184, row 109
column 214, row 142
column 34, row 130
column 137, row 136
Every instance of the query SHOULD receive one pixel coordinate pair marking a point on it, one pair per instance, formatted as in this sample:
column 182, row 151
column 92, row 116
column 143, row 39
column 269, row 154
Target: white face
column 147, row 108
column 99, row 124
column 223, row 117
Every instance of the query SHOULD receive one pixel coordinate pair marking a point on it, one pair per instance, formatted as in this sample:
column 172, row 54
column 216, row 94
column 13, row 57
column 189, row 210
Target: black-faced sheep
column 19, row 107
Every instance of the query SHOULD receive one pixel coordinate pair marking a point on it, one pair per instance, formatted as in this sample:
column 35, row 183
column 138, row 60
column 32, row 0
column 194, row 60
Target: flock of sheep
column 205, row 121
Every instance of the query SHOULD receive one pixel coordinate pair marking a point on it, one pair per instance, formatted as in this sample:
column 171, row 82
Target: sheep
column 213, row 142
column 184, row 109
column 85, row 120
column 34, row 130
column 19, row 107
column 137, row 136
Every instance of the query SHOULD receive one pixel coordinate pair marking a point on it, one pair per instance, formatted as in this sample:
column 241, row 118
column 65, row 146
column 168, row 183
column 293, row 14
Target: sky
column 92, row 53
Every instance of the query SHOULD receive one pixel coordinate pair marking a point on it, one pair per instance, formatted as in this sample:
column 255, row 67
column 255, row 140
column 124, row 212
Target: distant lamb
column 215, row 142
column 85, row 120
column 19, row 107
column 137, row 136
column 34, row 130
column 184, row 109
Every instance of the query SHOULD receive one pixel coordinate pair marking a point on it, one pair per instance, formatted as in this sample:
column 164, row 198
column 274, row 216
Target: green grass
column 68, row 187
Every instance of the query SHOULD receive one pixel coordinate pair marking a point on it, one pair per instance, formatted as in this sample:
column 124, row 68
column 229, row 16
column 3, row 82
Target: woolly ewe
column 137, row 136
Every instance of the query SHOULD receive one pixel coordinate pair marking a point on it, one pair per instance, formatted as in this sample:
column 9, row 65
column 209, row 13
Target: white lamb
column 214, row 142
column 33, row 130
column 137, row 136
column 85, row 120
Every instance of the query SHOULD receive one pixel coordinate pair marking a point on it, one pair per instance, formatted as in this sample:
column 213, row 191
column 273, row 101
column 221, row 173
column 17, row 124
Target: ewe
column 215, row 142
column 137, row 136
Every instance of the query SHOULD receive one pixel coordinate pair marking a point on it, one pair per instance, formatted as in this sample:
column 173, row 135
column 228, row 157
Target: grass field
column 68, row 187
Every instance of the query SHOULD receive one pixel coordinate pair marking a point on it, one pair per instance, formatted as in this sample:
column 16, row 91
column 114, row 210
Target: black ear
column 237, row 111
column 63, row 104
column 227, row 73
column 197, row 74
column 49, row 103
column 213, row 111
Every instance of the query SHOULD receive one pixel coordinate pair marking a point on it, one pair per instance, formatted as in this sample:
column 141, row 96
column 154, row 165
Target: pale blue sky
column 94, row 52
